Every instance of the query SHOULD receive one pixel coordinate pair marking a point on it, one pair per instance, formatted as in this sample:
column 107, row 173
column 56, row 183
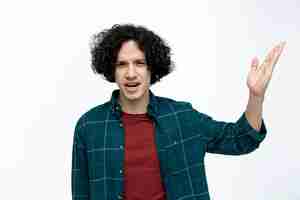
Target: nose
column 131, row 72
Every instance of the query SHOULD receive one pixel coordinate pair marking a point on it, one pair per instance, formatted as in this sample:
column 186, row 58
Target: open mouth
column 132, row 85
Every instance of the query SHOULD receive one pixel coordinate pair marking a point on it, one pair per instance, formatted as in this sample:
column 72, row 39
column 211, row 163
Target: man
column 141, row 146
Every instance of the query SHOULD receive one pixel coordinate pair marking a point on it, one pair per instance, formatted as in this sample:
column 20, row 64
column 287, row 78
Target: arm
column 80, row 180
column 257, row 82
column 246, row 134
column 254, row 111
column 229, row 138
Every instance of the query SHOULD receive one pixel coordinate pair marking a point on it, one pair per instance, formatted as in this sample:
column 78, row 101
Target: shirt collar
column 116, row 107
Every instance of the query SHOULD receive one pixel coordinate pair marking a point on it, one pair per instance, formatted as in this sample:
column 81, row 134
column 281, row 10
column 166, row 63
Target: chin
column 134, row 96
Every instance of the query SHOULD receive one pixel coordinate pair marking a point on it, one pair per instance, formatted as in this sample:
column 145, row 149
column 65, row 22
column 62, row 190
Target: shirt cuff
column 245, row 127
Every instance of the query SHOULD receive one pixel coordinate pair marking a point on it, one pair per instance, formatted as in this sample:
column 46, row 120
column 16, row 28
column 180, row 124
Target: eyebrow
column 136, row 60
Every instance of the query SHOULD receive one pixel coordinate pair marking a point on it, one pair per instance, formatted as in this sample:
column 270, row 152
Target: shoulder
column 184, row 108
column 166, row 103
column 96, row 113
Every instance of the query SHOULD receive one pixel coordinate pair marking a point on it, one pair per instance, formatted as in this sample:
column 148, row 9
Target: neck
column 138, row 106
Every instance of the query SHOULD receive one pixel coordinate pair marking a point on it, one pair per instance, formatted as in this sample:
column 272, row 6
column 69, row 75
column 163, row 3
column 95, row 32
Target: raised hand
column 260, row 74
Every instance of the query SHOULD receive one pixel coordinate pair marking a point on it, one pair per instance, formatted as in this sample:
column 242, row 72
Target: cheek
column 147, row 76
column 149, row 79
column 117, row 76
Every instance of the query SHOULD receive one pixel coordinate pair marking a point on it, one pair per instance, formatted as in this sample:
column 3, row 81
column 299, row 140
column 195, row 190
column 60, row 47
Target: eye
column 118, row 64
column 141, row 63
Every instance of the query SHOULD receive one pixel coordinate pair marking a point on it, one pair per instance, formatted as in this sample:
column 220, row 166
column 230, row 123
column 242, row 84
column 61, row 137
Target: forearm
column 254, row 111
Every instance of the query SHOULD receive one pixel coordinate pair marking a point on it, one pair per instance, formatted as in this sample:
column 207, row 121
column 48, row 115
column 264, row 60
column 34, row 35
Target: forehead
column 130, row 50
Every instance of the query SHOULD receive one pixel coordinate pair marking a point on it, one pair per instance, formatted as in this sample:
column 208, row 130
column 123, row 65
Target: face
column 131, row 74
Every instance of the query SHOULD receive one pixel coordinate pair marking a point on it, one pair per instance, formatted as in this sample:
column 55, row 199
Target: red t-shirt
column 141, row 171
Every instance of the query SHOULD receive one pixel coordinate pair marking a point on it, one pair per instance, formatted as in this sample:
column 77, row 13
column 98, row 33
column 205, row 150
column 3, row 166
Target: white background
column 47, row 83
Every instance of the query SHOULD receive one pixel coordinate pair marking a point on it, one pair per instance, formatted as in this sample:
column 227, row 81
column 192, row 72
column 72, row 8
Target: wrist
column 255, row 98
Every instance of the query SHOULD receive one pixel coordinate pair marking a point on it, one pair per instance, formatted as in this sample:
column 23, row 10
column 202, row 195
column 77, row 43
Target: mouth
column 132, row 86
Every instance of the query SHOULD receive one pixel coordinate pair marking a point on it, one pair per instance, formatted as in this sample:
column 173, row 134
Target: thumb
column 254, row 63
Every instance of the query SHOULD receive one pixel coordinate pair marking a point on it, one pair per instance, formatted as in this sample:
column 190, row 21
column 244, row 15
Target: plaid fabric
column 182, row 136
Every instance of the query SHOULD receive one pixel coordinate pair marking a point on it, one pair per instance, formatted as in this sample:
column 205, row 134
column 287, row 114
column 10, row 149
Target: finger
column 277, row 52
column 271, row 55
column 254, row 63
column 270, row 60
column 266, row 61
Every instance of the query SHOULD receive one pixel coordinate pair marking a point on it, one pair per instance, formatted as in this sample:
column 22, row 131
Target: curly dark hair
column 105, row 47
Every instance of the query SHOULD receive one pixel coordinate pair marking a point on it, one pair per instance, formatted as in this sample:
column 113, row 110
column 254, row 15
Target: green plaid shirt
column 182, row 136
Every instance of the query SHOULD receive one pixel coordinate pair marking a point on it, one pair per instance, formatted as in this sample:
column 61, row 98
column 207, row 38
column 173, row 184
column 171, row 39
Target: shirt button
column 175, row 142
column 120, row 196
column 121, row 125
column 121, row 171
column 121, row 146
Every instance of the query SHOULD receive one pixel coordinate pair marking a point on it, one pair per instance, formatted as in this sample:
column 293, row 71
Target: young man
column 141, row 146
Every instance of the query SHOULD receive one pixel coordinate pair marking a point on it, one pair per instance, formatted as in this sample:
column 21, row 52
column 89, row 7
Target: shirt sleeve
column 231, row 138
column 80, row 180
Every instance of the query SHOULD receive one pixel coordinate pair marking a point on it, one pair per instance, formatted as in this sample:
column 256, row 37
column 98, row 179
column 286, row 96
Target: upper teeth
column 132, row 84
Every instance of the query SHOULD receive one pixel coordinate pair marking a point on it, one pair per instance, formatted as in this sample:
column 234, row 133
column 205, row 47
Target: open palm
column 260, row 74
